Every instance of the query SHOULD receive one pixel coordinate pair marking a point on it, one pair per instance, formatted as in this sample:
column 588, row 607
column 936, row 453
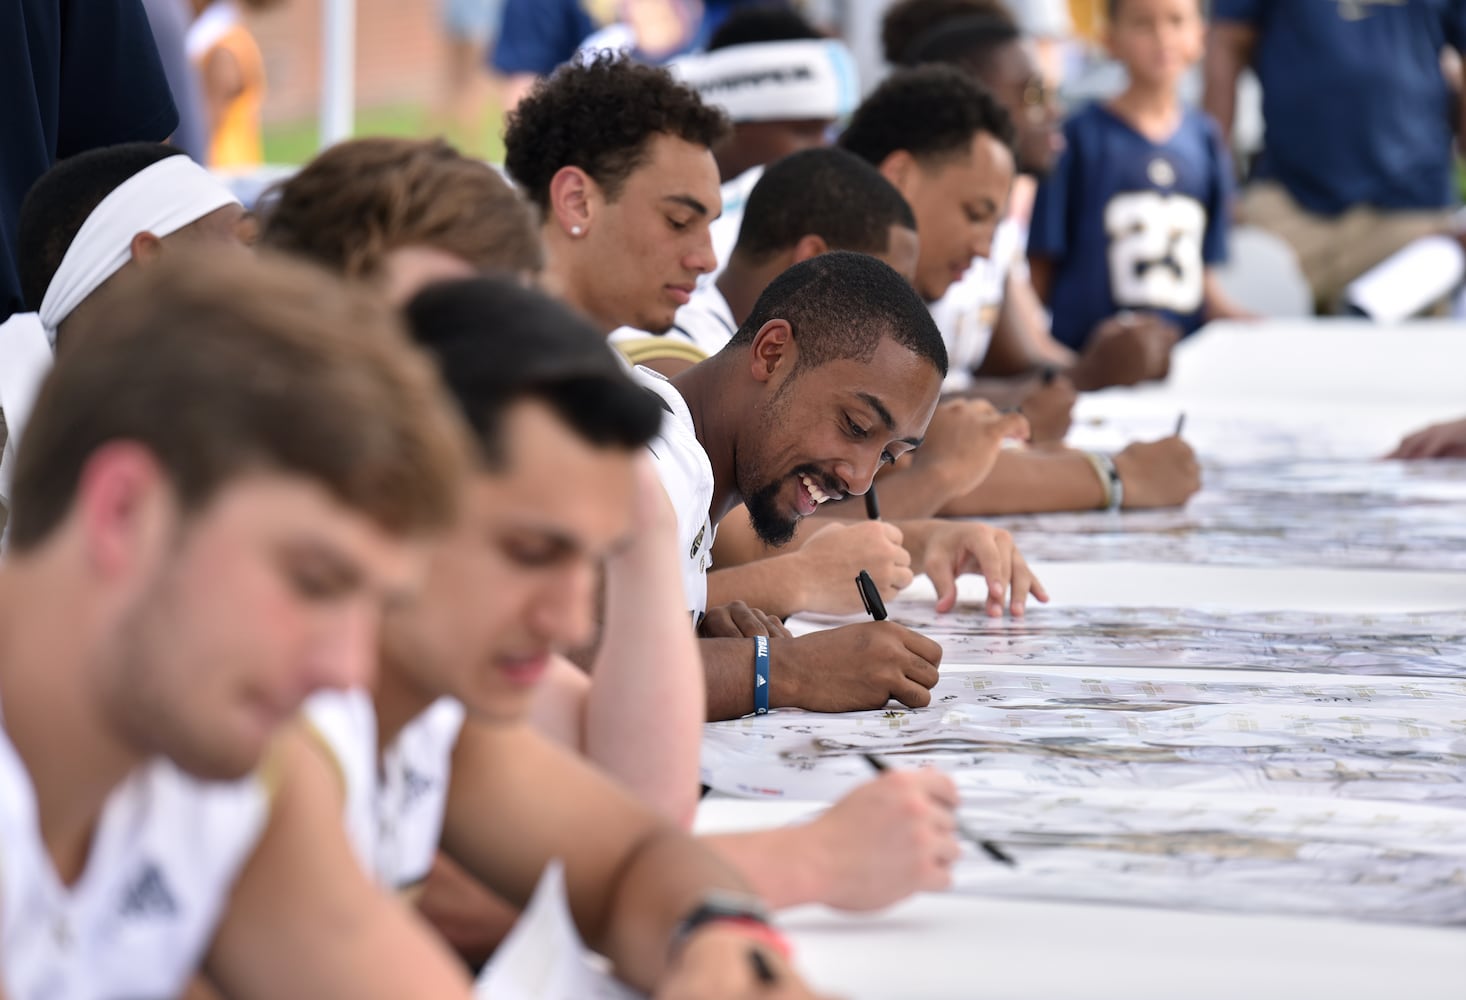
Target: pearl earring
column 574, row 230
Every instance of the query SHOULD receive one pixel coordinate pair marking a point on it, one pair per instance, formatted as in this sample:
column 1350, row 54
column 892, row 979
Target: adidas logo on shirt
column 417, row 785
column 148, row 895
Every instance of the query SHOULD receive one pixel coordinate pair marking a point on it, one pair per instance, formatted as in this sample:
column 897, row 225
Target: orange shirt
column 236, row 141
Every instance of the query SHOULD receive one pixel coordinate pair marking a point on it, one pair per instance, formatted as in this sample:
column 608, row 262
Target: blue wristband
column 760, row 675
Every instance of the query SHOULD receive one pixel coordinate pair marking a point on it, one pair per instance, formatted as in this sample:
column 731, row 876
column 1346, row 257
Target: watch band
column 743, row 912
column 1109, row 477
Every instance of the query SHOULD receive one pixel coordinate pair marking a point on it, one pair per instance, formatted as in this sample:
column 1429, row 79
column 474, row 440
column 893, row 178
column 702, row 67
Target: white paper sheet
column 1425, row 644
column 1347, row 514
column 544, row 958
column 1358, row 786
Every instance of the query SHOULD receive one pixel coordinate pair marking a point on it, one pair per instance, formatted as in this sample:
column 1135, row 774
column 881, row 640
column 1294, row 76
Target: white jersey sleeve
column 687, row 476
column 967, row 314
column 702, row 328
column 395, row 805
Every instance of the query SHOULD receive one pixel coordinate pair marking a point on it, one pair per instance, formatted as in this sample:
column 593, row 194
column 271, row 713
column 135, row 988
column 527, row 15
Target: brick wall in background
column 398, row 49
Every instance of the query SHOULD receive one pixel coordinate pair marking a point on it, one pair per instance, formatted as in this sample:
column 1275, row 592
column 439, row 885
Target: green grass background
column 296, row 142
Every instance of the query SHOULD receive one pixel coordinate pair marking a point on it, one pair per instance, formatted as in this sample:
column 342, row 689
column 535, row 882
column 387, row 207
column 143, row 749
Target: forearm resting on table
column 730, row 670
column 1033, row 481
column 663, row 881
column 772, row 584
column 779, row 867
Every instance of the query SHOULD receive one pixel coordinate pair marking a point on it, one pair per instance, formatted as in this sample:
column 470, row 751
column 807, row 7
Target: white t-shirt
column 164, row 859
column 687, row 476
column 726, row 226
column 968, row 312
column 702, row 328
column 395, row 806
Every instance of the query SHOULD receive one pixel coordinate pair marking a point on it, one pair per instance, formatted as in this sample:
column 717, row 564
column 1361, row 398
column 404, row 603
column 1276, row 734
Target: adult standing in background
column 76, row 74
column 233, row 73
column 169, row 21
column 1357, row 160
column 539, row 35
column 468, row 28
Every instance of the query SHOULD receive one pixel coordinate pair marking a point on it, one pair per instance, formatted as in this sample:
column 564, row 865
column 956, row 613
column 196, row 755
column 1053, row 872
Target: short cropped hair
column 828, row 193
column 841, row 305
column 360, row 200
column 599, row 115
column 762, row 22
column 911, row 24
column 931, row 112
column 220, row 367
column 60, row 201
column 968, row 43
column 497, row 342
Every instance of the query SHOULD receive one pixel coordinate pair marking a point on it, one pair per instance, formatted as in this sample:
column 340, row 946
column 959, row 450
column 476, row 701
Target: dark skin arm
column 1161, row 473
column 852, row 668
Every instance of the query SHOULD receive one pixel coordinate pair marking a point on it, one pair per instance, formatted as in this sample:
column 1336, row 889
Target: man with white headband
column 76, row 76
column 782, row 85
column 87, row 219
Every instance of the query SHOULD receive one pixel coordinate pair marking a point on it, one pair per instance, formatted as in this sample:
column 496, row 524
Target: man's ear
column 121, row 501
column 574, row 198
column 809, row 246
column 773, row 348
column 145, row 247
column 902, row 170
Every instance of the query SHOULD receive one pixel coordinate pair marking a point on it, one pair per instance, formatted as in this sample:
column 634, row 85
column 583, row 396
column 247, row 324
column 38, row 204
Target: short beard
column 772, row 527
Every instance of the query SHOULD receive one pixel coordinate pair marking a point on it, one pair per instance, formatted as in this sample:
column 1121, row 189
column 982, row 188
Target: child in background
column 232, row 71
column 1135, row 214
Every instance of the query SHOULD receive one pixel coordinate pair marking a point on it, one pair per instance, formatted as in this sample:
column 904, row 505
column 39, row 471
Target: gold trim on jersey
column 324, row 745
column 639, row 352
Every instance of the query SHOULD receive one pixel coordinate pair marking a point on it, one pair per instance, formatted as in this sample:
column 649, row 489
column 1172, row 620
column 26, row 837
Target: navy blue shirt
column 538, row 35
column 1357, row 109
column 74, row 75
column 1130, row 223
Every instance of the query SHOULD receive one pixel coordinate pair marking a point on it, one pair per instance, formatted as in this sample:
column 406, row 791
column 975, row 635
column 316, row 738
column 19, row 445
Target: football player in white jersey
column 958, row 195
column 395, row 212
column 835, row 374
column 560, row 430
column 121, row 207
column 981, row 38
column 229, row 473
column 618, row 159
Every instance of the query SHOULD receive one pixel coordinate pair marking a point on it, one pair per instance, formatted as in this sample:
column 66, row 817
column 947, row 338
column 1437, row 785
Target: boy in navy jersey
column 1135, row 214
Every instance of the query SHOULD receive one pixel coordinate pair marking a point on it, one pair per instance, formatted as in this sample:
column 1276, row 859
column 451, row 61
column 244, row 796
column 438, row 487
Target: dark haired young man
column 86, row 220
column 835, row 373
column 959, row 203
column 992, row 318
column 801, row 208
column 441, row 753
column 617, row 157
